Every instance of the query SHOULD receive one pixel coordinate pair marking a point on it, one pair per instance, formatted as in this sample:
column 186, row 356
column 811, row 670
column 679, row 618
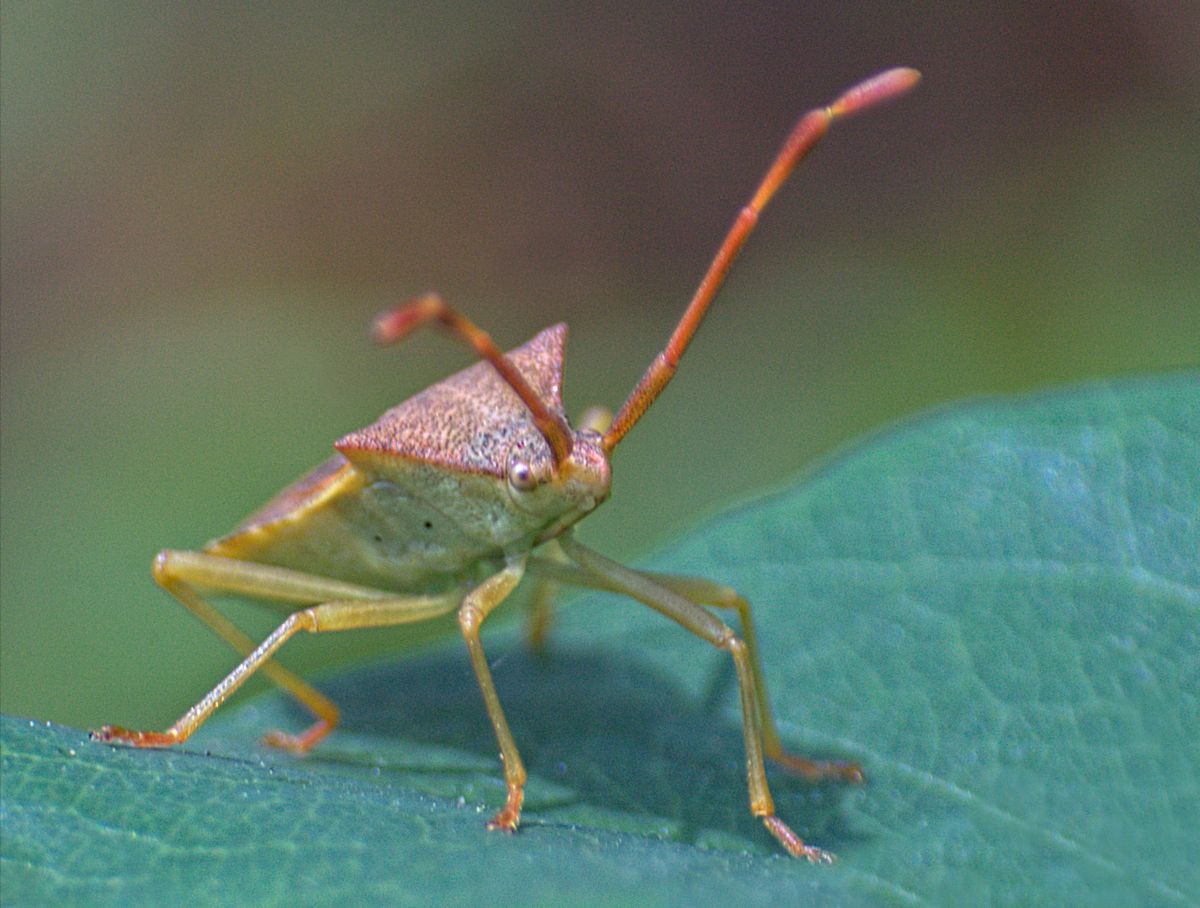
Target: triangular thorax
column 468, row 421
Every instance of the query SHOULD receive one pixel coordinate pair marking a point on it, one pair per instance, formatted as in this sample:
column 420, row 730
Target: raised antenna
column 803, row 138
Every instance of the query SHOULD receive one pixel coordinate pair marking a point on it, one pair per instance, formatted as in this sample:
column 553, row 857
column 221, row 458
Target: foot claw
column 819, row 770
column 281, row 740
column 816, row 855
column 504, row 821
column 115, row 734
column 298, row 744
column 792, row 842
column 510, row 814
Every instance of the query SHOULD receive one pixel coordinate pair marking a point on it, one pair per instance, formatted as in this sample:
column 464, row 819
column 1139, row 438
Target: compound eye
column 520, row 476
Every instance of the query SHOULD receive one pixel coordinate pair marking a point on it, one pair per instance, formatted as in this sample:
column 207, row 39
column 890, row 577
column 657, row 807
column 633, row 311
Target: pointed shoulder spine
column 462, row 422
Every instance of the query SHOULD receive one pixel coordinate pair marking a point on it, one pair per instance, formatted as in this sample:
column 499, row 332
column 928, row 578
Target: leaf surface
column 995, row 608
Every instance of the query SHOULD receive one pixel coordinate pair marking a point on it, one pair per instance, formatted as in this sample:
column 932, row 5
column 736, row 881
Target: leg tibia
column 475, row 608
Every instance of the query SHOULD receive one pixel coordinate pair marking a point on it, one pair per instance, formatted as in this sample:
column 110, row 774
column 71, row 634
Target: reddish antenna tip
column 383, row 330
column 878, row 89
column 395, row 324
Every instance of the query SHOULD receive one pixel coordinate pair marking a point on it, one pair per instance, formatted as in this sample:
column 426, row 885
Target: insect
column 447, row 501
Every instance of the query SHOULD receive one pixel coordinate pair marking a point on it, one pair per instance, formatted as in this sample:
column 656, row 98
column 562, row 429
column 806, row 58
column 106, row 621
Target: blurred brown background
column 203, row 208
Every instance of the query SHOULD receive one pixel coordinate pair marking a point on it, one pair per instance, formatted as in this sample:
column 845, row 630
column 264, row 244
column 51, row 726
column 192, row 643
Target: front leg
column 340, row 606
column 479, row 603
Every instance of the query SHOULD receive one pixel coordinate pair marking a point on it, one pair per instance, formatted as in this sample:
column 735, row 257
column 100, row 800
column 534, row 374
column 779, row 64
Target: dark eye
column 520, row 475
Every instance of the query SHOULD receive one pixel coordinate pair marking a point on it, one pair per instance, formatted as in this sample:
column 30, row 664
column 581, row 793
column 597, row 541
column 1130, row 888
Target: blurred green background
column 203, row 208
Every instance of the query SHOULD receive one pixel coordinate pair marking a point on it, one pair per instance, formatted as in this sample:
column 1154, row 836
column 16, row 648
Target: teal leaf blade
column 995, row 608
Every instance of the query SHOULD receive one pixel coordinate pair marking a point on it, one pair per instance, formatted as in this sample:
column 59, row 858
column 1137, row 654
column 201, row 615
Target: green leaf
column 996, row 609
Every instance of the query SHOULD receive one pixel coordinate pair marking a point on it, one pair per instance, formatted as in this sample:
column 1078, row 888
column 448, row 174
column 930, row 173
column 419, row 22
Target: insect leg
column 178, row 571
column 477, row 605
column 702, row 591
column 541, row 613
column 603, row 573
column 541, row 599
column 706, row 592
